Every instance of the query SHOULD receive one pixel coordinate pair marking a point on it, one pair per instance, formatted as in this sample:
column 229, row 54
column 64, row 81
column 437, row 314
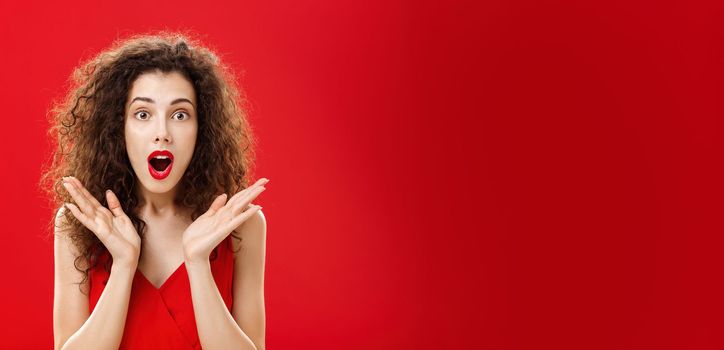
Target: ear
column 217, row 204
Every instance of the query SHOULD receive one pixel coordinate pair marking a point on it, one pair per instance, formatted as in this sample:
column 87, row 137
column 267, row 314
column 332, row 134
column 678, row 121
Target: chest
column 161, row 249
column 168, row 306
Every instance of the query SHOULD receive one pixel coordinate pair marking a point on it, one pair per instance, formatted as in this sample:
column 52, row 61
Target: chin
column 159, row 186
column 155, row 186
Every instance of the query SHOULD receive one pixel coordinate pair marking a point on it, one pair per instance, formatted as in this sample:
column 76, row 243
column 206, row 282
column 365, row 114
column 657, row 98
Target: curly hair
column 88, row 127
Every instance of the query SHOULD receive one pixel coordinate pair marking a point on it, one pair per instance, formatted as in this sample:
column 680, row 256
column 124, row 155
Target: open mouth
column 160, row 164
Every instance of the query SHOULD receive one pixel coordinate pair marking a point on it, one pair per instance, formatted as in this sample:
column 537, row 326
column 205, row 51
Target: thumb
column 217, row 204
column 114, row 204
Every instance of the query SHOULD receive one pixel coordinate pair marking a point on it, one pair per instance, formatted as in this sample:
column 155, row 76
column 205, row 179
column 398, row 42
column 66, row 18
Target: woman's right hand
column 113, row 227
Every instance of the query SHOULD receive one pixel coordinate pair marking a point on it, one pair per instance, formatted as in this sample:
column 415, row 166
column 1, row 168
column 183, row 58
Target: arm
column 248, row 308
column 103, row 329
column 73, row 327
column 218, row 328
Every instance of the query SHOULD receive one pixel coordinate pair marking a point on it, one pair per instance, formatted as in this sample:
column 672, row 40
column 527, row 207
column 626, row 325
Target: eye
column 142, row 115
column 183, row 115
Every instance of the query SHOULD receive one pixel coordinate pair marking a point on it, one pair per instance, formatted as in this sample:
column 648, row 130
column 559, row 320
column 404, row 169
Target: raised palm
column 209, row 229
column 112, row 226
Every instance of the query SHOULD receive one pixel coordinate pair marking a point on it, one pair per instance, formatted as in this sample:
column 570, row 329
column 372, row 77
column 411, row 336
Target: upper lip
column 162, row 152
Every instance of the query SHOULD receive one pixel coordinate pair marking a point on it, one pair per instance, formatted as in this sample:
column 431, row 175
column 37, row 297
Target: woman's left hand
column 211, row 228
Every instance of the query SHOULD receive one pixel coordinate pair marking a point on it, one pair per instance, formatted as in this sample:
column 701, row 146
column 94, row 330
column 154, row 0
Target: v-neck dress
column 163, row 318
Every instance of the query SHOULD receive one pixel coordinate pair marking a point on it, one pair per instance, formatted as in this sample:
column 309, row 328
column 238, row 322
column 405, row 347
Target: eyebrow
column 146, row 99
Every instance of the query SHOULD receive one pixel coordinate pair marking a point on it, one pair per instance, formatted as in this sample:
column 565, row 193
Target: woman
column 153, row 129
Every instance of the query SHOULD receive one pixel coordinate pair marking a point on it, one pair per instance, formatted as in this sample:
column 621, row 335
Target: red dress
column 163, row 318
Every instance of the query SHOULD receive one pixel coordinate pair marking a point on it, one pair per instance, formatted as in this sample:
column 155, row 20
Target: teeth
column 161, row 157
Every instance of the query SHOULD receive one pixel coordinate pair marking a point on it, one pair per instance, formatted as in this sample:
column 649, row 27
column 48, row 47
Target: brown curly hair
column 88, row 127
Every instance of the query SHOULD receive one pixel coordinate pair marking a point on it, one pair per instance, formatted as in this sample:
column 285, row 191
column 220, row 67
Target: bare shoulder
column 65, row 249
column 60, row 220
column 252, row 232
column 62, row 229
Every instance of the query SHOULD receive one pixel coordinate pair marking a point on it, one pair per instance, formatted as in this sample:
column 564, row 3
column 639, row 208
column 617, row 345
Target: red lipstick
column 160, row 163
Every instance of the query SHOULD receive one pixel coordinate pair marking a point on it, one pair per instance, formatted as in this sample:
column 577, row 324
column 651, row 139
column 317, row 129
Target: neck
column 157, row 204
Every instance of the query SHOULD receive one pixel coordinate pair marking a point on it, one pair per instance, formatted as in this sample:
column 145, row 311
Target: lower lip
column 159, row 175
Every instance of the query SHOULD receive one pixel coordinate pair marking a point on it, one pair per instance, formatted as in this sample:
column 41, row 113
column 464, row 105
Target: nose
column 162, row 131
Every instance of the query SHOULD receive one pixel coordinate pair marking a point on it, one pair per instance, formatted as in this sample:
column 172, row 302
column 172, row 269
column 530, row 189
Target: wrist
column 197, row 267
column 193, row 256
column 124, row 266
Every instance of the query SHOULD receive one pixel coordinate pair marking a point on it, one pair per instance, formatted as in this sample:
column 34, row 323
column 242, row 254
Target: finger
column 79, row 198
column 114, row 204
column 92, row 199
column 236, row 197
column 217, row 204
column 240, row 194
column 260, row 182
column 239, row 219
column 244, row 203
column 250, row 193
column 84, row 219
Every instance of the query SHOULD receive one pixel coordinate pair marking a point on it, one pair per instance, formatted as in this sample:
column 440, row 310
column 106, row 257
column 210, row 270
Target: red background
column 498, row 175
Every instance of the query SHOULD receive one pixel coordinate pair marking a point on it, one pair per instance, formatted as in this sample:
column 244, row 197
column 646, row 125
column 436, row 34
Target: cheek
column 133, row 144
column 187, row 138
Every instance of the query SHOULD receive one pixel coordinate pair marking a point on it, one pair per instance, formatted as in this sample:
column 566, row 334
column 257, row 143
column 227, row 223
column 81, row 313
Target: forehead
column 162, row 87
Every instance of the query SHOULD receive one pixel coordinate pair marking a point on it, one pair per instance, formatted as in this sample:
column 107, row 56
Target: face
column 160, row 128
